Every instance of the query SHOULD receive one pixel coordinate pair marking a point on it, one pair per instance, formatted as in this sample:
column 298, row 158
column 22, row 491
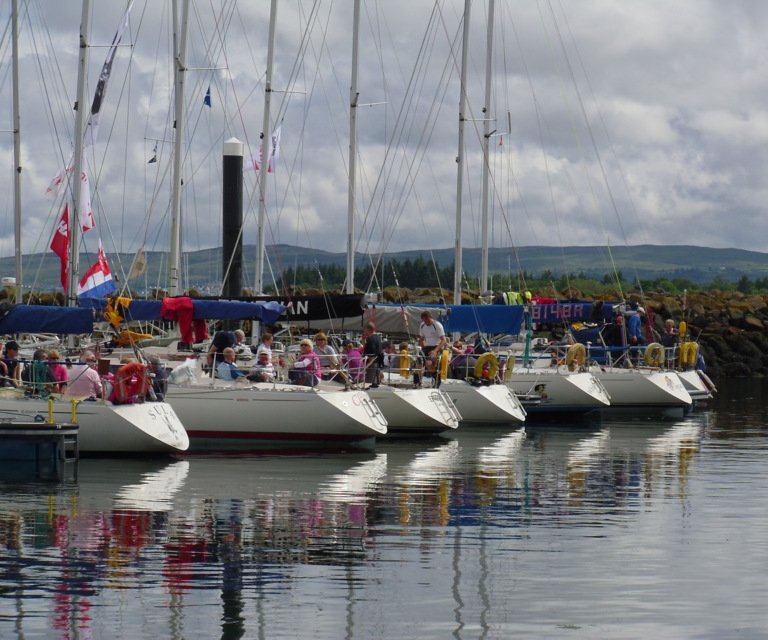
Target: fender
column 576, row 356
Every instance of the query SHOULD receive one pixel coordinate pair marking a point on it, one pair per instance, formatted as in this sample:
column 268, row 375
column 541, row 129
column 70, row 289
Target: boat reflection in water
column 229, row 545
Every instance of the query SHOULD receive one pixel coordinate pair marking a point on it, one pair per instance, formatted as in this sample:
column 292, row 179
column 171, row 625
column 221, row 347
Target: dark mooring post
column 232, row 219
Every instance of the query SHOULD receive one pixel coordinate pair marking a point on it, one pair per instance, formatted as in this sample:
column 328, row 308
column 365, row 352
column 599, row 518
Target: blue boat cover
column 266, row 312
column 25, row 318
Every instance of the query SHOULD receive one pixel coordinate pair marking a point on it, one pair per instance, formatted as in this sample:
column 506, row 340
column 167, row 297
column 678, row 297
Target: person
column 460, row 361
column 352, row 361
column 84, row 380
column 306, row 368
column 431, row 335
column 263, row 370
column 58, row 370
column 669, row 336
column 159, row 377
column 224, row 340
column 267, row 340
column 13, row 366
column 327, row 354
column 37, row 376
column 372, row 353
column 669, row 340
column 390, row 359
column 227, row 369
column 635, row 331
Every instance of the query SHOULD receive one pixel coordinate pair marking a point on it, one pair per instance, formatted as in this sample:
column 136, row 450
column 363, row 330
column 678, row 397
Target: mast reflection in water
column 615, row 529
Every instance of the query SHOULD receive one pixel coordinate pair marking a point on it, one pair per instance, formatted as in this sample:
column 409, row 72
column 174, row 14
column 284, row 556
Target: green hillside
column 203, row 268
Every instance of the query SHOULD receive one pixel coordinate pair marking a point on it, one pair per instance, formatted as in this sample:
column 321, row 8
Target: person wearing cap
column 306, row 368
column 263, row 370
column 227, row 369
column 12, row 364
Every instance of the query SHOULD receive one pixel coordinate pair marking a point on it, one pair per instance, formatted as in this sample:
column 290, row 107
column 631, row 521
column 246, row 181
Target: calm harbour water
column 631, row 529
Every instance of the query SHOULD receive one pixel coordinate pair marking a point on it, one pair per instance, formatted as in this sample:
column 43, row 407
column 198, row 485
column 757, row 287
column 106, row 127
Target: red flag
column 60, row 245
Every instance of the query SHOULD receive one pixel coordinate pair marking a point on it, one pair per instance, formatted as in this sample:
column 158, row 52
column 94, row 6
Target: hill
column 203, row 268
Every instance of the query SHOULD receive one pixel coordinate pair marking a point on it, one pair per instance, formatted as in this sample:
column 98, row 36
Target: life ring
column 689, row 351
column 445, row 359
column 131, row 381
column 405, row 363
column 654, row 354
column 575, row 356
column 491, row 361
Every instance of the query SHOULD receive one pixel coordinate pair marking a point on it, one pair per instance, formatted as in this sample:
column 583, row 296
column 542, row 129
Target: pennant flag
column 274, row 152
column 154, row 155
column 92, row 126
column 60, row 245
column 207, row 99
column 97, row 281
column 59, row 179
column 85, row 211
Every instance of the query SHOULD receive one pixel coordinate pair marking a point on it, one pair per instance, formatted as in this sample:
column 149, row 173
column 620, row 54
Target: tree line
column 420, row 273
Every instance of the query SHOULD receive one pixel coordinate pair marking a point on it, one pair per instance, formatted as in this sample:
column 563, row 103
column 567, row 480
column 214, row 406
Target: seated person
column 58, row 370
column 37, row 375
column 227, row 369
column 460, row 361
column 263, row 370
column 159, row 377
column 11, row 365
column 352, row 361
column 84, row 380
column 329, row 359
column 306, row 368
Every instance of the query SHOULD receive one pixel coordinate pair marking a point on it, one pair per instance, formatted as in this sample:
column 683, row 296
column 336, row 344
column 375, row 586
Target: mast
column 16, row 153
column 180, row 47
column 460, row 157
column 266, row 152
column 81, row 113
column 486, row 149
column 353, row 97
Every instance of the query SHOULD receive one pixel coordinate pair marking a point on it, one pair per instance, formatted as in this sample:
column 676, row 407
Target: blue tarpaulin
column 486, row 318
column 266, row 312
column 26, row 318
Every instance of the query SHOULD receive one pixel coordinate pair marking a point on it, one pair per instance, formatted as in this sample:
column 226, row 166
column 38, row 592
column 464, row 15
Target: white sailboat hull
column 487, row 404
column 416, row 410
column 645, row 391
column 225, row 415
column 104, row 428
column 696, row 385
column 556, row 392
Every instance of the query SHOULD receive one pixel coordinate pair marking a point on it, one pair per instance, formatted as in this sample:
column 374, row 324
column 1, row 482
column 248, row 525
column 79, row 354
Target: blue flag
column 207, row 99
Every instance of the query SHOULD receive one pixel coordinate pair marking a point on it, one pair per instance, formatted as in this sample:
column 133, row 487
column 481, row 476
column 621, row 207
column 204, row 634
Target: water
column 615, row 530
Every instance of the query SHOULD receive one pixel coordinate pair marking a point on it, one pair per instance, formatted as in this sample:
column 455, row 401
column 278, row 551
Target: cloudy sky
column 614, row 123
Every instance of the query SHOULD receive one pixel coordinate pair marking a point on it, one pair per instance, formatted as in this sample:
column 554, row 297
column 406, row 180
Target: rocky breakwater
column 731, row 328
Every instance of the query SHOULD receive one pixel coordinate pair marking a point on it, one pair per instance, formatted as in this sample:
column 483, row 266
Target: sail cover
column 25, row 318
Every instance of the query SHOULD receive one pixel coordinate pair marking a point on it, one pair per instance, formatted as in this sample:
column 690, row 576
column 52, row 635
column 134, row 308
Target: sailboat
column 225, row 415
column 104, row 427
column 407, row 409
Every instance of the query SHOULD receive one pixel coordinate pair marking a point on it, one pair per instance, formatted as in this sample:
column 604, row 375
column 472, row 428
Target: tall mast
column 81, row 113
column 486, row 149
column 266, row 152
column 180, row 69
column 353, row 97
column 16, row 153
column 460, row 157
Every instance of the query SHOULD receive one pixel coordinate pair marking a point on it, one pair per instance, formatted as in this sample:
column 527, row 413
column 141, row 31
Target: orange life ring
column 131, row 381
